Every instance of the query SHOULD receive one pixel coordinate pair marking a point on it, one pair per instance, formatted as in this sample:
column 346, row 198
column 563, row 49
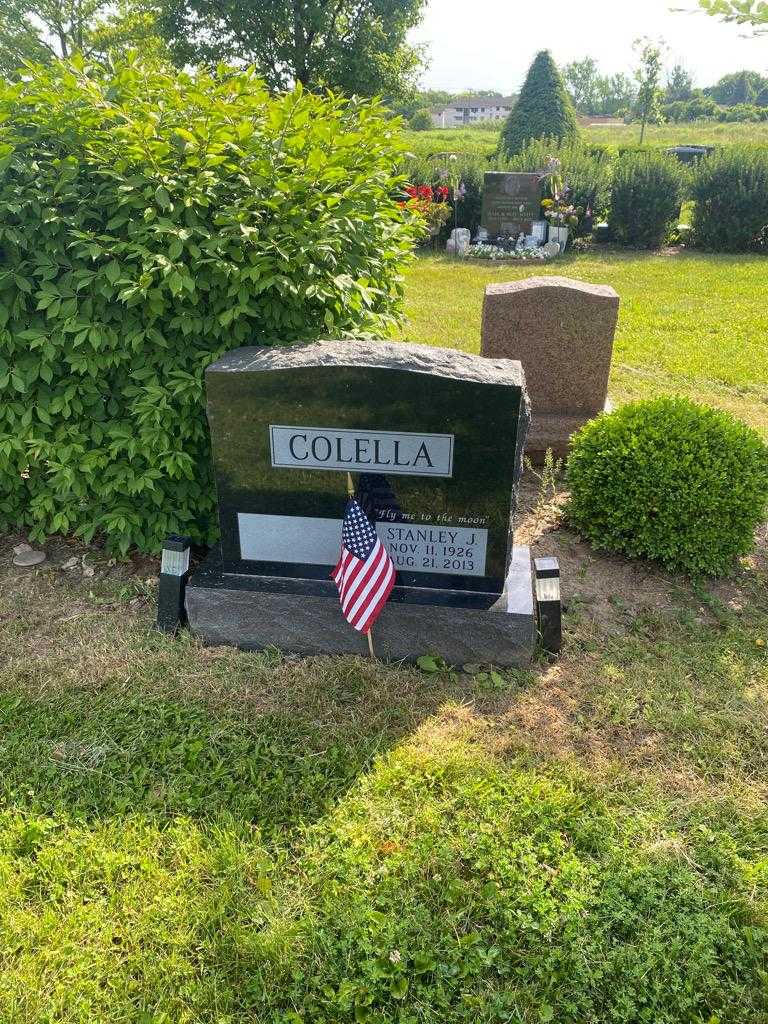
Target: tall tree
column 594, row 93
column 679, row 84
column 543, row 109
column 742, row 12
column 648, row 77
column 738, row 87
column 356, row 46
column 615, row 93
column 582, row 79
column 128, row 25
column 41, row 30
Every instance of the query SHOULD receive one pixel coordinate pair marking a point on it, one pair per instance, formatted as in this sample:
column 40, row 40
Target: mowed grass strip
column 689, row 323
column 192, row 835
column 484, row 141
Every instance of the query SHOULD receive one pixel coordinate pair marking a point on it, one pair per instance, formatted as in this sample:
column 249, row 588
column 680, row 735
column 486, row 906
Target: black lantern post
column 174, row 570
column 548, row 603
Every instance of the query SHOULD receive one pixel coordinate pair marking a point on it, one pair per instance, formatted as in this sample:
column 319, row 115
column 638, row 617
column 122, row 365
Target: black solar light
column 548, row 606
column 174, row 570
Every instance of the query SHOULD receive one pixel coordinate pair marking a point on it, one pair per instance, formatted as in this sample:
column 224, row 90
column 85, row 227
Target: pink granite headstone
column 562, row 332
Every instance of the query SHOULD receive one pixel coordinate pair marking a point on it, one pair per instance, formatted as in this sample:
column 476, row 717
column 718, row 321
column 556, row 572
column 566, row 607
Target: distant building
column 463, row 110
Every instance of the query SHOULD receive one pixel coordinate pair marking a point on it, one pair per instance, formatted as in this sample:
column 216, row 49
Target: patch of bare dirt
column 613, row 590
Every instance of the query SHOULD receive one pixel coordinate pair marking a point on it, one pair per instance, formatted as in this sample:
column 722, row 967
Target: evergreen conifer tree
column 543, row 109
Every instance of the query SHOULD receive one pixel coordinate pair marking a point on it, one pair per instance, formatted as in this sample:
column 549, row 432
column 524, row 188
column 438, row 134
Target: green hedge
column 646, row 196
column 149, row 221
column 586, row 170
column 669, row 480
column 730, row 189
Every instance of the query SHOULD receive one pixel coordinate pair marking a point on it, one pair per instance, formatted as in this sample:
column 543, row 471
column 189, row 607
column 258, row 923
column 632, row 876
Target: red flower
column 412, row 191
column 425, row 192
column 442, row 193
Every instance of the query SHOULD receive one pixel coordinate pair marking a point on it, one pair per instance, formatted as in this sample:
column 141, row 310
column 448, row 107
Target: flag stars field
column 364, row 574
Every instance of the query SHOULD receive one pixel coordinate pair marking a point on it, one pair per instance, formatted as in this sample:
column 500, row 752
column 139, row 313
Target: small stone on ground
column 25, row 556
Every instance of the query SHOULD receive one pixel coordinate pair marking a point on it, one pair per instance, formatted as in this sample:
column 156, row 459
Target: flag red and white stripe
column 364, row 574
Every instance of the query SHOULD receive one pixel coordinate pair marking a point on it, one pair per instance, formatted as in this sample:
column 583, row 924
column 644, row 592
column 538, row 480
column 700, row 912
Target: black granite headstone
column 433, row 440
column 511, row 202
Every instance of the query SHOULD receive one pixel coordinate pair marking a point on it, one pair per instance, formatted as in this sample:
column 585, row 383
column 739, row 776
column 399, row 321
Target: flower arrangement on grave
column 486, row 251
column 561, row 214
column 429, row 204
column 557, row 209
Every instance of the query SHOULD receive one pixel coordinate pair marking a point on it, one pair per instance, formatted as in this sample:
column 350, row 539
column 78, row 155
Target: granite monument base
column 303, row 617
column 553, row 431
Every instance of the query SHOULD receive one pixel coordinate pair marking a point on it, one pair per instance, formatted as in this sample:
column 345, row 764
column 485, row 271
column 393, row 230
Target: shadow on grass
column 110, row 718
column 206, row 835
column 116, row 749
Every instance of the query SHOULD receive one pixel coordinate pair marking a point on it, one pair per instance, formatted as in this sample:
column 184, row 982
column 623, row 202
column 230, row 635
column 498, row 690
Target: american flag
column 365, row 574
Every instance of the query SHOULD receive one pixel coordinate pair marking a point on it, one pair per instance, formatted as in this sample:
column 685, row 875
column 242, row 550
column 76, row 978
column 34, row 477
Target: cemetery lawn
column 206, row 836
column 689, row 323
column 192, row 835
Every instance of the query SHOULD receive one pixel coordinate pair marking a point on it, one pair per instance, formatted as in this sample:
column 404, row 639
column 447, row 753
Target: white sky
column 488, row 44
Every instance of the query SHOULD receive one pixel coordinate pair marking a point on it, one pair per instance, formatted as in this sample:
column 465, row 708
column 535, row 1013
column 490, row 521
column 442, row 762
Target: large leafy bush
column 149, row 221
column 730, row 188
column 586, row 171
column 669, row 480
column 646, row 196
column 543, row 109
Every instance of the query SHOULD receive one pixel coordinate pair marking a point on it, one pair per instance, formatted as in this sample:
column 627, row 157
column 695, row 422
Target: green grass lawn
column 192, row 835
column 699, row 133
column 205, row 836
column 689, row 323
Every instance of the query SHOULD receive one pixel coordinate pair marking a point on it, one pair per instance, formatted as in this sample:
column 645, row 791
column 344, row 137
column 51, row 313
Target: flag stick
column 370, row 643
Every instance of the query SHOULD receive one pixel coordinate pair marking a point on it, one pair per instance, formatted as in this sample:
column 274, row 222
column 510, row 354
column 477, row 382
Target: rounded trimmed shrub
column 646, row 196
column 150, row 220
column 730, row 189
column 667, row 479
